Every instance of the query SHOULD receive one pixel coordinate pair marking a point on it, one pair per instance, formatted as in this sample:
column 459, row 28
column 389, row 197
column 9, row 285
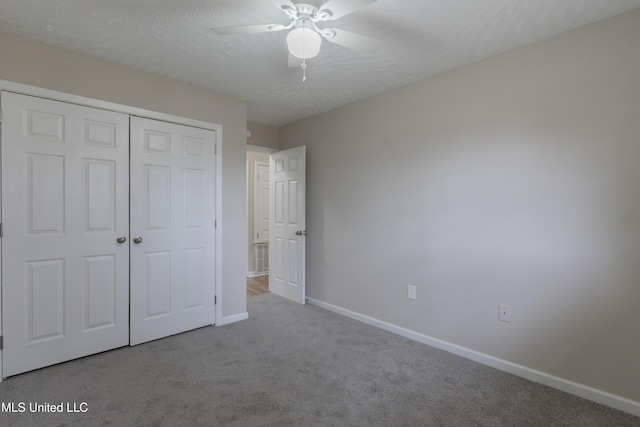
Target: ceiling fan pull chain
column 304, row 70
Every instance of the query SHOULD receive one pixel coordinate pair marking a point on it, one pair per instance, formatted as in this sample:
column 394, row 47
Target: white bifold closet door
column 172, row 229
column 65, row 274
column 108, row 231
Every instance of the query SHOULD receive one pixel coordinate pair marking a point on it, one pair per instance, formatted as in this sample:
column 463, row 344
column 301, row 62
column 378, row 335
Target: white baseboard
column 586, row 392
column 254, row 274
column 225, row 320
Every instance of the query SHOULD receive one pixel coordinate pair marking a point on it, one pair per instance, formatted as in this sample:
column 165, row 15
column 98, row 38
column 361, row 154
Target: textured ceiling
column 419, row 38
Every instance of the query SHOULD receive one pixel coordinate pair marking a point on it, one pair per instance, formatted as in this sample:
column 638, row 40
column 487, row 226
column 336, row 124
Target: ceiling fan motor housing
column 306, row 11
column 307, row 15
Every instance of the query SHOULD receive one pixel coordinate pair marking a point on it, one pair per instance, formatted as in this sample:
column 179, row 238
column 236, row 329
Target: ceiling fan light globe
column 303, row 43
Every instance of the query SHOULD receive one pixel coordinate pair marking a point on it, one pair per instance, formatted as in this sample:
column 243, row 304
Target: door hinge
column 1, row 342
column 215, row 300
column 0, row 116
column 0, row 229
column 215, row 224
column 215, row 148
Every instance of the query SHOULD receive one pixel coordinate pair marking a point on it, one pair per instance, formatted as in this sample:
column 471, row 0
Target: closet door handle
column 137, row 240
column 121, row 239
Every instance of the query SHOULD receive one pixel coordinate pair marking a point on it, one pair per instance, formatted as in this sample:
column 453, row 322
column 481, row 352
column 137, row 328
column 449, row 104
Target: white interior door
column 287, row 182
column 65, row 277
column 172, row 229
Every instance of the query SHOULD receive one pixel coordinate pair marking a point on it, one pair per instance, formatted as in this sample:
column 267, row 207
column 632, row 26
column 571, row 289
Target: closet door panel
column 65, row 187
column 172, row 227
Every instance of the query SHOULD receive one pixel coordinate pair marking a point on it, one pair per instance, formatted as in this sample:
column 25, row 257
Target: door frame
column 54, row 95
column 256, row 198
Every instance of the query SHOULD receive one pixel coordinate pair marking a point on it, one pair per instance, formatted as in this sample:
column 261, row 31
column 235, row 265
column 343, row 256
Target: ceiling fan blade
column 294, row 62
column 334, row 9
column 350, row 40
column 248, row 29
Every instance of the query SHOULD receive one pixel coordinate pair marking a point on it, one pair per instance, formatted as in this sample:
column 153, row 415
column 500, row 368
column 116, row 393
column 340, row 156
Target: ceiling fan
column 305, row 37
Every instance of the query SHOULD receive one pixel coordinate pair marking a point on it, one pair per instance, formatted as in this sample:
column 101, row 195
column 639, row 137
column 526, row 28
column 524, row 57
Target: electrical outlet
column 504, row 313
column 411, row 292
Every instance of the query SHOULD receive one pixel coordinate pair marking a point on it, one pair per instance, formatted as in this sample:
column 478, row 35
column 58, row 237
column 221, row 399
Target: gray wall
column 515, row 180
column 48, row 67
column 262, row 135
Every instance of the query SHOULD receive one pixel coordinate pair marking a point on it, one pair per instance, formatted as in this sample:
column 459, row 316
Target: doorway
column 258, row 219
column 283, row 210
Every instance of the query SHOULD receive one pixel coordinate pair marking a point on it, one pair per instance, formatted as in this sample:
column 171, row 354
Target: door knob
column 301, row 233
column 137, row 240
column 121, row 239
